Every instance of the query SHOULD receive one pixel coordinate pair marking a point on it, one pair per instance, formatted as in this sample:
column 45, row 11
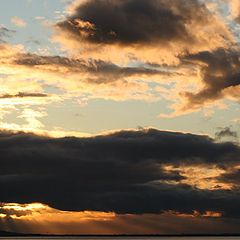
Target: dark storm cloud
column 220, row 70
column 23, row 95
column 121, row 172
column 134, row 21
column 232, row 176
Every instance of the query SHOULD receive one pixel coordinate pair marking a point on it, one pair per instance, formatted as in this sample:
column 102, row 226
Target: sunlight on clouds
column 34, row 125
column 31, row 118
column 198, row 214
column 7, row 102
column 202, row 177
column 162, row 52
column 235, row 8
column 40, row 218
column 77, row 70
column 32, row 73
column 77, row 83
column 180, row 109
column 10, row 104
column 22, row 207
column 41, row 213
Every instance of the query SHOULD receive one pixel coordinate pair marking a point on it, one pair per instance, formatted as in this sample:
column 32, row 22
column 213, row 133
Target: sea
column 124, row 238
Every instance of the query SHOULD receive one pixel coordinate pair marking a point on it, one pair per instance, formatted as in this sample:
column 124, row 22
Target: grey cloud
column 226, row 132
column 100, row 71
column 5, row 33
column 121, row 172
column 232, row 176
column 220, row 70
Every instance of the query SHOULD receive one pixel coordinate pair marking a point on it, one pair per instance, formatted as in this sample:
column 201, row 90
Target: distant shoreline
column 12, row 234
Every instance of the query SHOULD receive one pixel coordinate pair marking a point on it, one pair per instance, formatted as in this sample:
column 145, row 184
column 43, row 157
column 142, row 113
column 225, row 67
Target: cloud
column 38, row 210
column 167, row 28
column 5, row 33
column 81, row 77
column 23, row 95
column 226, row 132
column 122, row 172
column 17, row 21
column 235, row 9
column 157, row 20
column 220, row 76
column 39, row 218
column 231, row 177
column 95, row 67
column 173, row 34
column 117, row 60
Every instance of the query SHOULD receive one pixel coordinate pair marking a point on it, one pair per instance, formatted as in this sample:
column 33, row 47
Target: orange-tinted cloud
column 235, row 9
column 119, row 62
column 39, row 218
column 76, row 77
column 45, row 213
column 202, row 177
column 81, row 77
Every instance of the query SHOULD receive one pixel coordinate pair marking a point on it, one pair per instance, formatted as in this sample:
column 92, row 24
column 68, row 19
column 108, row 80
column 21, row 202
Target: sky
column 120, row 116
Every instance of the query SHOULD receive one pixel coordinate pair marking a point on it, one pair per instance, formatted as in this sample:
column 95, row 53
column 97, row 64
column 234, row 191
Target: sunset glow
column 44, row 213
column 119, row 116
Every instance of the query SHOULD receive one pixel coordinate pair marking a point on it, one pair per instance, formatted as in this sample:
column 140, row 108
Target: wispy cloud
column 19, row 22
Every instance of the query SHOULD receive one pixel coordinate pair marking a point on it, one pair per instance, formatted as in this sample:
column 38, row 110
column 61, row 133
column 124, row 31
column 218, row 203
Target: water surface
column 123, row 238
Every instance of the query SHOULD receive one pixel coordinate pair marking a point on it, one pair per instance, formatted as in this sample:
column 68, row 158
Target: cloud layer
column 124, row 172
column 220, row 75
column 181, row 54
column 170, row 33
column 110, row 57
